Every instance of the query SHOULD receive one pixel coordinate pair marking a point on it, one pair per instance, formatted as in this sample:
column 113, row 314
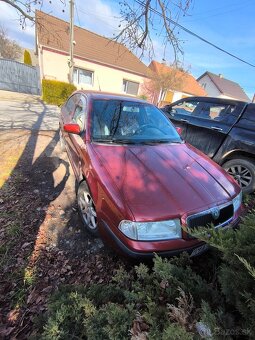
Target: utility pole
column 71, row 32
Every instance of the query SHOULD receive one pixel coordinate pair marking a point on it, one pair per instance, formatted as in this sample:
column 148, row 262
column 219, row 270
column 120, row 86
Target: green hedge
column 56, row 92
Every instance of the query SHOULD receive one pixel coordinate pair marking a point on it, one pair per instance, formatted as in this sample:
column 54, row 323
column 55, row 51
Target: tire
column 62, row 141
column 243, row 171
column 87, row 209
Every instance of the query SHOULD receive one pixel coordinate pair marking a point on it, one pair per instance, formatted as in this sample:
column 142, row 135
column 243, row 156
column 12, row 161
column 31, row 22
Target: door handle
column 216, row 128
column 184, row 120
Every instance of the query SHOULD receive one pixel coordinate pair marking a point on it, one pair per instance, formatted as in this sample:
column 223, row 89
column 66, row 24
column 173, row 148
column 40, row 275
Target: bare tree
column 141, row 21
column 168, row 78
column 26, row 8
column 145, row 20
column 9, row 49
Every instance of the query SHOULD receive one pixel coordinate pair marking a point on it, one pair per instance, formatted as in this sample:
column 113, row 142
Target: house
column 99, row 63
column 218, row 86
column 169, row 84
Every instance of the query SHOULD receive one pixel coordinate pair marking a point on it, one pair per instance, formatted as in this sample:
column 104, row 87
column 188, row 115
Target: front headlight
column 152, row 231
column 237, row 201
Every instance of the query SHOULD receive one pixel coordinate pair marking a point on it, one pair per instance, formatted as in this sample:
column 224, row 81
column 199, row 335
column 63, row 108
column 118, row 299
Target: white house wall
column 210, row 88
column 54, row 66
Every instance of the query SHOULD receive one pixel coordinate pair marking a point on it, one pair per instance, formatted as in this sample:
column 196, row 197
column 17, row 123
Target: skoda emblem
column 215, row 213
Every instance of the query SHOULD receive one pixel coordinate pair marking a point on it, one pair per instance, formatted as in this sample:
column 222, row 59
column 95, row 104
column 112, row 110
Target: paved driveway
column 25, row 111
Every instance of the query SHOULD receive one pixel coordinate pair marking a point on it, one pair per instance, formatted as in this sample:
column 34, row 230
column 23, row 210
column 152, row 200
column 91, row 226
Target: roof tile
column 188, row 84
column 54, row 33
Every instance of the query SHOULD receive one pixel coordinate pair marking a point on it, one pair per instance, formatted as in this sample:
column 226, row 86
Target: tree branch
column 13, row 4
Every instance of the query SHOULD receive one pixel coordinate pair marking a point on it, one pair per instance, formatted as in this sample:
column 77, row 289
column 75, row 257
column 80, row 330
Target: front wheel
column 87, row 209
column 243, row 171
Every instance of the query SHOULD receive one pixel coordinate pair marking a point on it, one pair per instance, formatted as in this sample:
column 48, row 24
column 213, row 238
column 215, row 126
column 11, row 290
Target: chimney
column 221, row 75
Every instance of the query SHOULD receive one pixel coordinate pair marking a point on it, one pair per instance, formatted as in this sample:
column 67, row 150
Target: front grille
column 206, row 218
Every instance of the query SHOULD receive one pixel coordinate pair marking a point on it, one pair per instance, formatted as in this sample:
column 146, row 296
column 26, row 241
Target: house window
column 130, row 87
column 81, row 76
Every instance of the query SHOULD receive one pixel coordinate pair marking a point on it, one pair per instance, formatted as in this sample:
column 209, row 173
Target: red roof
column 53, row 33
column 188, row 83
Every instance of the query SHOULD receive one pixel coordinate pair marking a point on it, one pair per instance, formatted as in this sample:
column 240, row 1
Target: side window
column 80, row 113
column 185, row 108
column 70, row 105
column 248, row 118
column 217, row 112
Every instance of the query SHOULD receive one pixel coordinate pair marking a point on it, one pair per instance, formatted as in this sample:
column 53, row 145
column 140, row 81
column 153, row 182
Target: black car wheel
column 87, row 209
column 243, row 171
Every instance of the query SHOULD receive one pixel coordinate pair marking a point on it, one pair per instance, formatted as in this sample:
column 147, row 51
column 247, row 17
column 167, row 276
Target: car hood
column 164, row 181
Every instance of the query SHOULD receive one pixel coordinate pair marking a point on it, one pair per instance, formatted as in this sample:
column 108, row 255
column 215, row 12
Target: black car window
column 249, row 114
column 80, row 113
column 184, row 107
column 217, row 112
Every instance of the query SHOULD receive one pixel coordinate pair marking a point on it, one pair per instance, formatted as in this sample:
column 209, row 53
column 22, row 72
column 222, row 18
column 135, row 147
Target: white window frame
column 125, row 84
column 83, row 69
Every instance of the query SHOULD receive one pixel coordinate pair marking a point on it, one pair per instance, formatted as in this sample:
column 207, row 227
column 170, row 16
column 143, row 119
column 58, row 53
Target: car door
column 180, row 113
column 208, row 128
column 77, row 144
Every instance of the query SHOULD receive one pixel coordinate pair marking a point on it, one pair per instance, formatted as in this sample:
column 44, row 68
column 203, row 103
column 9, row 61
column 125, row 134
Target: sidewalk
column 16, row 96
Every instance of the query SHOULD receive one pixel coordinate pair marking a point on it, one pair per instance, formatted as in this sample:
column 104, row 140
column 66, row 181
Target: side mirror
column 72, row 128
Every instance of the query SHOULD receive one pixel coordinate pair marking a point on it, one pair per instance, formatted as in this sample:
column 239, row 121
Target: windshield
column 130, row 122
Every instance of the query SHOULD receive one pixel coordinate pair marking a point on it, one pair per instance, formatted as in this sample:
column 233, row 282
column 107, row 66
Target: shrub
column 27, row 58
column 56, row 92
column 171, row 300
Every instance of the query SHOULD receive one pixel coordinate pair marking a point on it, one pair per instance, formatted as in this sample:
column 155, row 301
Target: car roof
column 212, row 100
column 108, row 96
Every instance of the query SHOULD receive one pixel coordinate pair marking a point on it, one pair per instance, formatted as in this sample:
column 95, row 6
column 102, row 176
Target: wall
column 210, row 88
column 175, row 96
column 54, row 66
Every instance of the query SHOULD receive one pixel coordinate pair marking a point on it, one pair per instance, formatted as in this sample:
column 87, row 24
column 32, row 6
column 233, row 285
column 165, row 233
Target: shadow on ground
column 42, row 244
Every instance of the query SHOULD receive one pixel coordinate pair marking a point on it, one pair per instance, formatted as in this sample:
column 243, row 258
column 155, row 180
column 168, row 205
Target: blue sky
column 228, row 24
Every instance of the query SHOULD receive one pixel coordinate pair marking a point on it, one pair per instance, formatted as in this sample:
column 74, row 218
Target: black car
column 224, row 129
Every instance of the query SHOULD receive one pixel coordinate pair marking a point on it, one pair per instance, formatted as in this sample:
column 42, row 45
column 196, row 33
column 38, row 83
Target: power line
column 77, row 14
column 195, row 35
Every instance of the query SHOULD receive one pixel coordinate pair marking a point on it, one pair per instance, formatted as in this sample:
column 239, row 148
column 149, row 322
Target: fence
column 18, row 77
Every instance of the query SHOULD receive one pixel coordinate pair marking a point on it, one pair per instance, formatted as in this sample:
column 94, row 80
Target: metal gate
column 18, row 77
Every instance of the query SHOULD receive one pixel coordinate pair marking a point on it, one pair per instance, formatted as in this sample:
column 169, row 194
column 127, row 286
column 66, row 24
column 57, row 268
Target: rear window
column 218, row 112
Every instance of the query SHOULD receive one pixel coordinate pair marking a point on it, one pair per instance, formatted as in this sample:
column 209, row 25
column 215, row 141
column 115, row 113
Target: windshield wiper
column 156, row 141
column 125, row 141
column 102, row 140
column 115, row 140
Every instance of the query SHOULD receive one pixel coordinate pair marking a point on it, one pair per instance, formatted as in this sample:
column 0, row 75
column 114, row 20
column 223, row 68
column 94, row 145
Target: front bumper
column 111, row 238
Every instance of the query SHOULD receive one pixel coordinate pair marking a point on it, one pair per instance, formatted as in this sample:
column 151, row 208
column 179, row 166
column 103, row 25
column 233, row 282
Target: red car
column 140, row 184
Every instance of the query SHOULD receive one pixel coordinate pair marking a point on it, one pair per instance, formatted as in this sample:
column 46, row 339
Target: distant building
column 181, row 84
column 218, row 86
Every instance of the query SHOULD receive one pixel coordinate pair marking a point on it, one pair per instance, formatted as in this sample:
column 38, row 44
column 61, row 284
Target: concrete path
column 26, row 111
